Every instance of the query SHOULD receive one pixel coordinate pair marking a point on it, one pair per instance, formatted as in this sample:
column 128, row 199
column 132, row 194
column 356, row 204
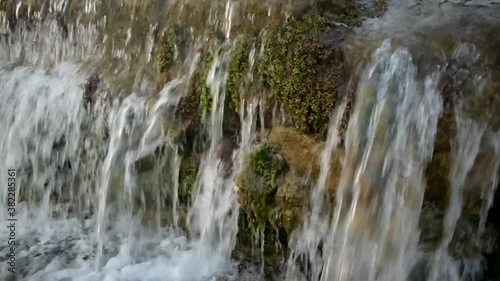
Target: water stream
column 86, row 210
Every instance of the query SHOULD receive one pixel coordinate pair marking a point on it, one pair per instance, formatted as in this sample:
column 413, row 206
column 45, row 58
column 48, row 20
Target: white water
column 215, row 210
column 171, row 255
column 112, row 245
column 95, row 230
column 373, row 232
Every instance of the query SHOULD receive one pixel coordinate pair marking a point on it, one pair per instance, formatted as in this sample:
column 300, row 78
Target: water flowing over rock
column 188, row 140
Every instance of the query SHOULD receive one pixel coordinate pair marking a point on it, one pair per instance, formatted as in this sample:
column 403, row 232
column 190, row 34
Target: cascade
column 186, row 140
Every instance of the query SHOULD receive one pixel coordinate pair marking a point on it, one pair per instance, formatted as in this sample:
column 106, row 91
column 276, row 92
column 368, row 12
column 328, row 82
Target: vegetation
column 167, row 51
column 238, row 69
column 304, row 72
column 205, row 94
column 187, row 179
column 258, row 182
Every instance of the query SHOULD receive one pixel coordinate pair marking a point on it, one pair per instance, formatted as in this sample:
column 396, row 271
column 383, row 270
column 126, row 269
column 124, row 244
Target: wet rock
column 478, row 181
column 346, row 12
column 302, row 154
column 438, row 185
column 188, row 172
column 466, row 243
column 292, row 200
column 227, row 147
column 262, row 173
column 455, row 81
column 90, row 89
column 148, row 162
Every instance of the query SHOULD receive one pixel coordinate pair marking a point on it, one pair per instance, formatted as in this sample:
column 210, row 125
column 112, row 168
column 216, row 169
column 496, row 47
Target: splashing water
column 86, row 159
column 215, row 197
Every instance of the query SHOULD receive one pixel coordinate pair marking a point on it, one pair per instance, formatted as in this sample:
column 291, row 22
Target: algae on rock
column 304, row 72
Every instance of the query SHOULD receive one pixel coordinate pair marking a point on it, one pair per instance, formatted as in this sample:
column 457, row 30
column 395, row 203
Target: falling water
column 214, row 211
column 373, row 232
column 86, row 159
column 88, row 209
column 314, row 229
column 42, row 126
column 466, row 148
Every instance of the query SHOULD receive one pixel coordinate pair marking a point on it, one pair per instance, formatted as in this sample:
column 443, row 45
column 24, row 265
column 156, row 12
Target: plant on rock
column 258, row 182
column 304, row 72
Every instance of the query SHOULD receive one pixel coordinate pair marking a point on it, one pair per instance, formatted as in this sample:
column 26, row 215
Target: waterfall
column 214, row 212
column 86, row 158
column 373, row 232
column 129, row 124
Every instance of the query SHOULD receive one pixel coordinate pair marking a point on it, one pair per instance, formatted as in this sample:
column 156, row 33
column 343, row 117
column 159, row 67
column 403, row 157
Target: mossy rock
column 238, row 69
column 294, row 192
column 188, row 172
column 194, row 106
column 168, row 50
column 302, row 153
column 188, row 107
column 304, row 71
column 292, row 201
column 287, row 219
column 205, row 95
column 342, row 11
column 258, row 181
column 171, row 52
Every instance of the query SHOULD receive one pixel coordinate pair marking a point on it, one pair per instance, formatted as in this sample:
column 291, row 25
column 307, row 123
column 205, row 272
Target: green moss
column 258, row 182
column 266, row 165
column 206, row 95
column 238, row 68
column 304, row 72
column 187, row 179
column 193, row 107
column 187, row 113
column 167, row 50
